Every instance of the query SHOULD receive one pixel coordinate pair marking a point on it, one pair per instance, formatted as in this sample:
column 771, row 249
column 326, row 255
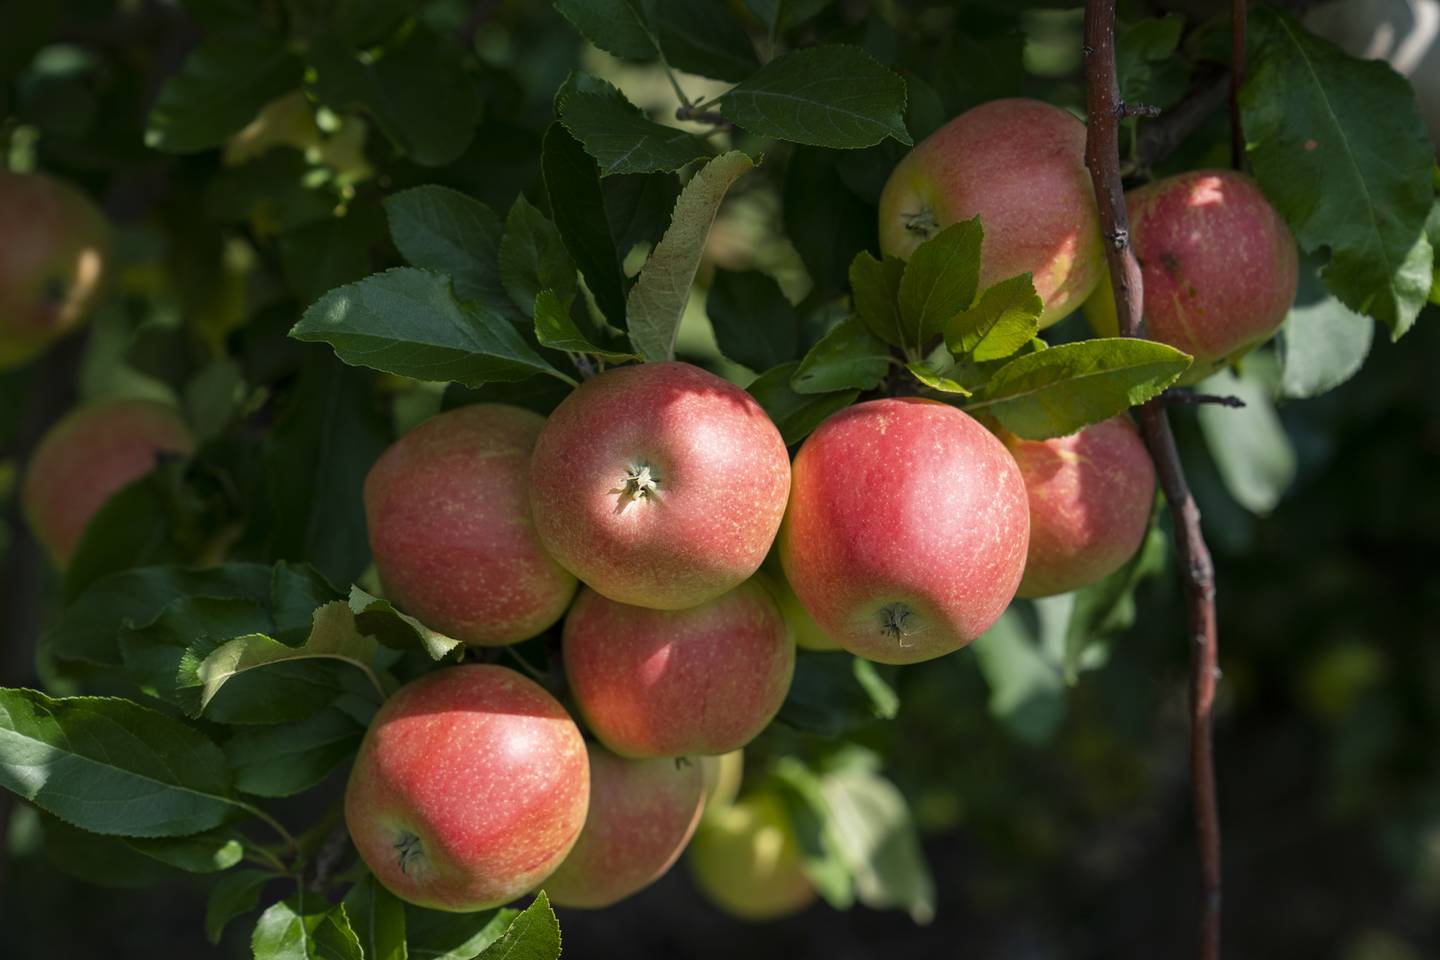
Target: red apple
column 642, row 813
column 659, row 485
column 448, row 512
column 1090, row 498
column 907, row 529
column 1220, row 267
column 745, row 859
column 672, row 683
column 1020, row 166
column 470, row 788
column 52, row 261
column 87, row 457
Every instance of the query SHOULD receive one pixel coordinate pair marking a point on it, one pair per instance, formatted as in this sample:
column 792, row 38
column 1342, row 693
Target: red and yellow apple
column 642, row 813
column 87, row 457
column 746, row 861
column 448, row 511
column 659, row 485
column 470, row 788
column 1019, row 165
column 672, row 683
column 907, row 528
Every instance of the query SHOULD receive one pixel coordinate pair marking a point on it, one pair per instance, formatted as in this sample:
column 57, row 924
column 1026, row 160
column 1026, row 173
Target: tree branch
column 1102, row 156
column 1160, row 139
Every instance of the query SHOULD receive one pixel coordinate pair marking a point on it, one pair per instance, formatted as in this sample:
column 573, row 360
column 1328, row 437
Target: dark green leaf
column 435, row 935
column 754, row 323
column 555, row 329
column 618, row 135
column 704, row 37
column 1025, row 677
column 940, row 281
column 931, row 374
column 875, row 291
column 378, row 618
column 834, row 694
column 208, row 852
column 572, row 180
column 236, row 893
column 1109, row 605
column 638, row 207
column 615, row 26
column 104, row 861
column 1142, row 49
column 1006, row 318
column 445, row 231
column 825, row 865
column 140, row 524
column 330, row 253
column 378, row 918
column 533, row 257
column 282, row 760
column 534, row 934
column 305, row 927
column 849, row 357
column 795, row 414
column 824, row 220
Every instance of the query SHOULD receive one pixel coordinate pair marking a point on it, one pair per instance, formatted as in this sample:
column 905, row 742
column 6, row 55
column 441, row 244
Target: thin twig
column 1102, row 156
column 687, row 111
column 1180, row 395
column 1239, row 14
column 329, row 856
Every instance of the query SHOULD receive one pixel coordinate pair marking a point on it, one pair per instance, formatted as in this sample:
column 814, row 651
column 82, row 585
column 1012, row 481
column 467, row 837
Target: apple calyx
column 897, row 621
column 408, row 849
column 639, row 483
column 921, row 223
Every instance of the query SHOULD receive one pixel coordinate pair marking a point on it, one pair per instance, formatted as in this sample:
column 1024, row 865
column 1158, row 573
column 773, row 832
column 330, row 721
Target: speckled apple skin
column 1220, row 267
column 1020, row 166
column 481, row 775
column 904, row 504
column 642, row 814
column 86, row 458
column 674, row 683
column 448, row 512
column 746, row 860
column 1090, row 499
column 722, row 478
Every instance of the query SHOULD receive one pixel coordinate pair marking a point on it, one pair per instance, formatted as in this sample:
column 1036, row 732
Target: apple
column 659, row 485
column 470, row 787
column 52, row 262
column 672, row 683
column 642, row 813
column 906, row 533
column 722, row 776
column 1219, row 266
column 448, row 511
column 1020, row 166
column 1090, row 498
column 86, row 458
column 745, row 860
column 807, row 633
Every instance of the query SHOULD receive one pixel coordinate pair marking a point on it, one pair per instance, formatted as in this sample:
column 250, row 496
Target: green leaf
column 834, row 694
column 111, row 766
column 822, row 858
column 286, row 759
column 235, row 894
column 795, row 414
column 555, row 328
column 848, row 357
column 305, row 927
column 406, row 321
column 1249, row 445
column 437, row 935
column 875, row 292
column 1322, row 343
column 940, row 281
column 657, row 301
column 533, row 257
column 617, row 134
column 1025, row 677
column 1057, row 391
column 221, row 86
column 208, row 852
column 378, row 917
column 1006, row 318
column 103, row 861
column 378, row 618
column 638, row 207
column 936, row 379
column 153, row 652
column 827, row 96
column 140, row 524
column 704, row 37
column 534, row 934
column 825, row 221
column 615, row 26
column 572, row 180
column 754, row 324
column 1313, row 116
column 1109, row 606
column 1142, row 49
column 444, row 231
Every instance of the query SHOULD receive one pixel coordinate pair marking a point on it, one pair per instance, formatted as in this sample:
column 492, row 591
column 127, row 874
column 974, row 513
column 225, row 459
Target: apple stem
column 895, row 621
column 640, row 482
column 922, row 223
column 408, row 849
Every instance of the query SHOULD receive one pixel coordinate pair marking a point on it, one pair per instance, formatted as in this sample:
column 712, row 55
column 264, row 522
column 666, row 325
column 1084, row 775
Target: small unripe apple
column 807, row 633
column 659, row 485
column 746, row 861
column 471, row 787
column 1020, row 166
column 52, row 262
column 448, row 511
column 1090, row 498
column 673, row 683
column 1219, row 266
column 723, row 776
column 907, row 529
column 642, row 813
column 87, row 457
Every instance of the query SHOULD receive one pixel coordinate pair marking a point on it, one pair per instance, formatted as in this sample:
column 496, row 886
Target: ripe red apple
column 745, row 859
column 642, row 813
column 1020, row 166
column 470, row 788
column 659, row 485
column 448, row 510
column 87, row 457
column 1219, row 265
column 672, row 683
column 1090, row 498
column 907, row 529
column 52, row 261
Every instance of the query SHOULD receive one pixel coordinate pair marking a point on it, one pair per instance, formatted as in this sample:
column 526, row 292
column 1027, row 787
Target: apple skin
column 1090, row 499
column 720, row 473
column 448, row 511
column 678, row 683
column 1020, row 166
column 907, row 529
column 51, row 264
column 642, row 814
column 471, row 787
column 807, row 633
column 87, row 457
column 745, row 859
column 1220, row 268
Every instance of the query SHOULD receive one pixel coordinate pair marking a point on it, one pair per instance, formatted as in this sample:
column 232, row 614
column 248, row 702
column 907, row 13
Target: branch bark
column 1102, row 156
